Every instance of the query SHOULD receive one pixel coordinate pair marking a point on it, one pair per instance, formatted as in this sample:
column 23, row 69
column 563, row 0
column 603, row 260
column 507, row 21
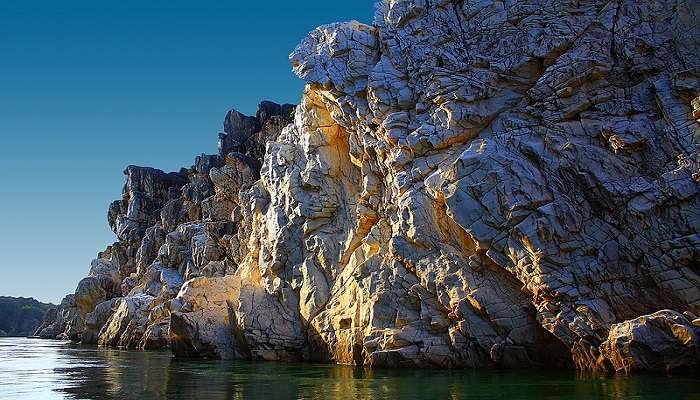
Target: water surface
column 41, row 369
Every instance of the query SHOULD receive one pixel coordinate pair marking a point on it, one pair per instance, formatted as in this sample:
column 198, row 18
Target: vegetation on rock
column 20, row 316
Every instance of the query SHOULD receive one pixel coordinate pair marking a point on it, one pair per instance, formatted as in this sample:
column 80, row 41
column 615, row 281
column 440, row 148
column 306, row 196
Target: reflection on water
column 37, row 369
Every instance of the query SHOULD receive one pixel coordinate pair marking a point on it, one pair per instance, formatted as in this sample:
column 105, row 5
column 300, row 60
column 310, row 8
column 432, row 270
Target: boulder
column 201, row 318
column 663, row 341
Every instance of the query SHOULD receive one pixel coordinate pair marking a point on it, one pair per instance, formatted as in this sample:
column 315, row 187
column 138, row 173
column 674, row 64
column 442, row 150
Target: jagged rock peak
column 240, row 129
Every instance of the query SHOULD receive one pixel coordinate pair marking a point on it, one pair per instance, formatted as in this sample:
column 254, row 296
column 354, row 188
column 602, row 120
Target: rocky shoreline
column 463, row 184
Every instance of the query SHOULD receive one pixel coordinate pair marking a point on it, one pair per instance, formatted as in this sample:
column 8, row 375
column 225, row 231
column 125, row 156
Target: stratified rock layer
column 464, row 184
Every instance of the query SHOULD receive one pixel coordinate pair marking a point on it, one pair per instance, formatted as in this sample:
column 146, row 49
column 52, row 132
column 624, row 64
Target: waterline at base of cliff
column 31, row 369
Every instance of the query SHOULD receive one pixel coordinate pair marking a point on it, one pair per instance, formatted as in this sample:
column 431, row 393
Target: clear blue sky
column 89, row 87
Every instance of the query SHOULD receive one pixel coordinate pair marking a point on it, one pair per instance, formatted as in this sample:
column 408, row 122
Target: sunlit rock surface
column 463, row 184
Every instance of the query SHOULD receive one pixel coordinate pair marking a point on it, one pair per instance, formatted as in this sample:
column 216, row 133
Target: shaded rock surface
column 464, row 184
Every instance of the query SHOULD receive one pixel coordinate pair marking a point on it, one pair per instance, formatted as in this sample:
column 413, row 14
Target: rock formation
column 171, row 228
column 464, row 184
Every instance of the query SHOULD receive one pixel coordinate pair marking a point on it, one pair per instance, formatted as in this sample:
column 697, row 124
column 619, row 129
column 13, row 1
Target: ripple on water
column 39, row 369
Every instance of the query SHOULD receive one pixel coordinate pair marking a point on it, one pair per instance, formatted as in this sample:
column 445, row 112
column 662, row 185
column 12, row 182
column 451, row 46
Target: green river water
column 41, row 369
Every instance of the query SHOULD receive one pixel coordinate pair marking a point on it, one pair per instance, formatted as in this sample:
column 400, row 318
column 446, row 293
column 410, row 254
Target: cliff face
column 21, row 316
column 464, row 184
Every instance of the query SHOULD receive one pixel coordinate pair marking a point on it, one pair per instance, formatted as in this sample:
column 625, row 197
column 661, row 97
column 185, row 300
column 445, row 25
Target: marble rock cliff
column 463, row 184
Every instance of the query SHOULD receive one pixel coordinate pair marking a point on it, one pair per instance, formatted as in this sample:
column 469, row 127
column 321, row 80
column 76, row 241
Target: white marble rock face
column 464, row 184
